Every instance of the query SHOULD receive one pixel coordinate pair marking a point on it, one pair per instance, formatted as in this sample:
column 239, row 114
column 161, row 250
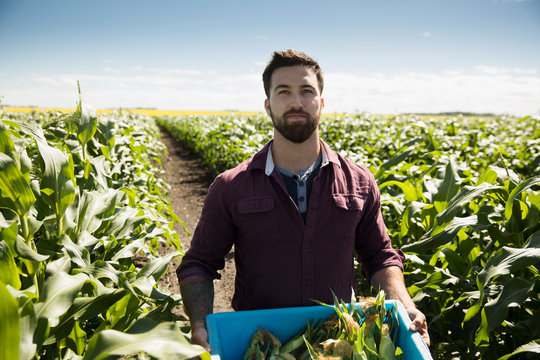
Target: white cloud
column 484, row 88
column 426, row 34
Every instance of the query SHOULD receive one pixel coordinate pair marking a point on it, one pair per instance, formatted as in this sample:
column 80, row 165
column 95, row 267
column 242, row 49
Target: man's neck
column 295, row 156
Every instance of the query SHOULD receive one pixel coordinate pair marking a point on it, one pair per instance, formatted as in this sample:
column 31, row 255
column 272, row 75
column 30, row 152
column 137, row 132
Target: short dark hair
column 290, row 58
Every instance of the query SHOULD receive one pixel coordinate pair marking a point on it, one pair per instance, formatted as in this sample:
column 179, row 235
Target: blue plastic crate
column 229, row 332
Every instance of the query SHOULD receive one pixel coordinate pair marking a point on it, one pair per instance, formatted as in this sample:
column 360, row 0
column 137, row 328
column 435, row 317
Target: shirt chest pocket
column 347, row 212
column 256, row 221
column 255, row 205
column 349, row 202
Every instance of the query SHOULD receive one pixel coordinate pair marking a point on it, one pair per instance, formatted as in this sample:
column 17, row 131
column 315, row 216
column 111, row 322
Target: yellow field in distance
column 150, row 112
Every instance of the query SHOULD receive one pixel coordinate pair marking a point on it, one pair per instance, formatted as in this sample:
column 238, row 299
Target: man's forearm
column 198, row 298
column 390, row 279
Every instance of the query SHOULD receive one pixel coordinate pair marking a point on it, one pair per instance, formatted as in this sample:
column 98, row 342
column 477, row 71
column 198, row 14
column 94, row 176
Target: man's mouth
column 296, row 116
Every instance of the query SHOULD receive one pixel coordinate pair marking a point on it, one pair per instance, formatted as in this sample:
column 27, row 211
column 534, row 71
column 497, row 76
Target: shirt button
column 308, row 282
column 301, row 183
column 301, row 199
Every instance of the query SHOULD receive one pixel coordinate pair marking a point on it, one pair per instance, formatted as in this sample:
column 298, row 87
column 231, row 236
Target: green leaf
column 87, row 124
column 481, row 338
column 164, row 341
column 387, row 350
column 9, row 272
column 489, row 176
column 124, row 222
column 6, row 143
column 406, row 187
column 9, row 325
column 515, row 291
column 458, row 265
column 450, row 185
column 507, row 260
column 157, row 267
column 447, row 234
column 466, row 195
column 532, row 347
column 58, row 179
column 26, row 252
column 84, row 309
column 524, row 185
column 76, row 340
column 58, row 294
column 15, row 192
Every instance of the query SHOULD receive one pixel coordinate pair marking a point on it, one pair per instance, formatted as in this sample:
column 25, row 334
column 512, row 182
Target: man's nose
column 297, row 100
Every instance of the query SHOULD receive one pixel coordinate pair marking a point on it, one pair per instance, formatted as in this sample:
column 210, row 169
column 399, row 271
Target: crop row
column 460, row 197
column 82, row 211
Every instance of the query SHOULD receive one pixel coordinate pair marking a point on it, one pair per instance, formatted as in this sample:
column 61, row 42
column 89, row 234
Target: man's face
column 295, row 102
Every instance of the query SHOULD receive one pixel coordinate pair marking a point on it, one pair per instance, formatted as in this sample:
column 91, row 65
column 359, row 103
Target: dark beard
column 297, row 132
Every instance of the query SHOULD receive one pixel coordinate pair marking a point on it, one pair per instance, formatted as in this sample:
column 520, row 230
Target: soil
column 189, row 180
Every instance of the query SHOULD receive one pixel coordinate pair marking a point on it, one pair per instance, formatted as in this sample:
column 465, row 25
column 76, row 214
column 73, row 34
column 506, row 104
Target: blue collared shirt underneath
column 299, row 187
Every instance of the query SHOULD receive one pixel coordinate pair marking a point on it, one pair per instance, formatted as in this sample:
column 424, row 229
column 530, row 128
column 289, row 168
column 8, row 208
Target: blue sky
column 378, row 56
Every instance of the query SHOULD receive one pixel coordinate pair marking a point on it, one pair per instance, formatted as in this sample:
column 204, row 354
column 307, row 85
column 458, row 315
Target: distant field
column 150, row 112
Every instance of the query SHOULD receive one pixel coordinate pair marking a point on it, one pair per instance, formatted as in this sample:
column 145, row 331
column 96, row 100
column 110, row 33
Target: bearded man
column 297, row 214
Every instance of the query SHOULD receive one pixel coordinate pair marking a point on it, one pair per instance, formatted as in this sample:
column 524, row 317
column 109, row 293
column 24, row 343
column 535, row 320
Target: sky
column 381, row 57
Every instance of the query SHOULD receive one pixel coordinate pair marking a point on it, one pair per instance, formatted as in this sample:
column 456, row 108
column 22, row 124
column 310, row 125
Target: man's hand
column 390, row 279
column 419, row 323
column 199, row 335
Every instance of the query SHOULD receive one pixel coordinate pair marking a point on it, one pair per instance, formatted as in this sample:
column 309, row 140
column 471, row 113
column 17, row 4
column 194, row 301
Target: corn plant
column 81, row 201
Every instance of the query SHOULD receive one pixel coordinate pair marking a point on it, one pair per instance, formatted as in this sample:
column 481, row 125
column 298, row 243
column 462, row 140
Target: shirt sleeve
column 373, row 245
column 213, row 237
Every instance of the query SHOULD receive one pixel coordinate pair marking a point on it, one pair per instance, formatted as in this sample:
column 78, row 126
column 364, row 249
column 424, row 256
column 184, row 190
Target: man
column 296, row 213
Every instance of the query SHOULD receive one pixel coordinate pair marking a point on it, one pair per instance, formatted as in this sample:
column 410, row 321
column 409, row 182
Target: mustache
column 295, row 111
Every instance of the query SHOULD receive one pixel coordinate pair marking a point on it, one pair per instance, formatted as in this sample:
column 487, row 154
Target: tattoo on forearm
column 198, row 298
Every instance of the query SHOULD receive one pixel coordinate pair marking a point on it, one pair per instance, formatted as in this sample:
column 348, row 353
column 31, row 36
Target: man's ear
column 267, row 106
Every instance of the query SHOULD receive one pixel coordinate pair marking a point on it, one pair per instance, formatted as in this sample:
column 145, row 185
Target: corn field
column 82, row 211
column 461, row 198
column 83, row 208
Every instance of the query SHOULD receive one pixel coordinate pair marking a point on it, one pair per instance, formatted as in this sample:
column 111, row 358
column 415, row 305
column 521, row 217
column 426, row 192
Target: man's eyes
column 303, row 91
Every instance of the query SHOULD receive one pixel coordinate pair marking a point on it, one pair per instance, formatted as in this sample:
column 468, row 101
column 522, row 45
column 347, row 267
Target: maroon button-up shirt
column 281, row 261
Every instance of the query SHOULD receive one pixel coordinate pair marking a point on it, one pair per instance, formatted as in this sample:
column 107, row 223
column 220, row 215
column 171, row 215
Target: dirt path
column 189, row 181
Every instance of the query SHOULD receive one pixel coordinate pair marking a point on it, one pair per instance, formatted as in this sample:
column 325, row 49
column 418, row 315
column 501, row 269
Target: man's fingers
column 419, row 324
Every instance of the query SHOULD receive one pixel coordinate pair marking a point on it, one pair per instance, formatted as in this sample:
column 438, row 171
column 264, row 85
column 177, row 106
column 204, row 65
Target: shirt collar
column 269, row 168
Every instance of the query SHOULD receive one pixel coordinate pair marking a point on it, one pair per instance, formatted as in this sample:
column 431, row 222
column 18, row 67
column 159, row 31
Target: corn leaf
column 465, row 196
column 532, row 347
column 450, row 185
column 87, row 123
column 26, row 252
column 9, row 273
column 157, row 267
column 508, row 260
column 15, row 192
column 9, row 325
column 406, row 187
column 442, row 237
column 164, row 341
column 515, row 291
column 6, row 143
column 524, row 185
column 85, row 308
column 58, row 294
